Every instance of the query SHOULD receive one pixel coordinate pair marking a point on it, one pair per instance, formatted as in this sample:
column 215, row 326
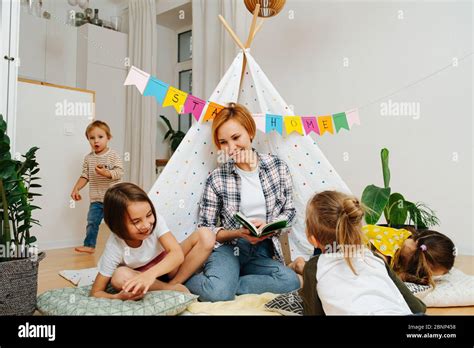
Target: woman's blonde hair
column 335, row 219
column 236, row 112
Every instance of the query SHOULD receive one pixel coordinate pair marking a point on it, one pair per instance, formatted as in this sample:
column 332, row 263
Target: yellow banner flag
column 212, row 110
column 293, row 124
column 325, row 124
column 176, row 98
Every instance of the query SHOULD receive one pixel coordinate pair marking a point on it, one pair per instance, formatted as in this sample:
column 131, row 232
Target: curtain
column 141, row 113
column 213, row 48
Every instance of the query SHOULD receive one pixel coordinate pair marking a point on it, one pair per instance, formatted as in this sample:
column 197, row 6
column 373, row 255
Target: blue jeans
column 242, row 269
column 94, row 218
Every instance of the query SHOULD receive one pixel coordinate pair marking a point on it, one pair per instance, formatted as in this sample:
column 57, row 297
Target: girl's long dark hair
column 116, row 200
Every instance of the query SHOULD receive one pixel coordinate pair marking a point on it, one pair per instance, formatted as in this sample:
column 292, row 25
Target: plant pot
column 18, row 285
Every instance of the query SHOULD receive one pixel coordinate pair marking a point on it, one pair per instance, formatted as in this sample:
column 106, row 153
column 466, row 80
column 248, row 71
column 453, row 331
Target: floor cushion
column 76, row 301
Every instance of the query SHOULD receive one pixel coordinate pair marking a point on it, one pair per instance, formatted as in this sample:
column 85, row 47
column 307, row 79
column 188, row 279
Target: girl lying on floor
column 142, row 254
column 415, row 256
column 348, row 278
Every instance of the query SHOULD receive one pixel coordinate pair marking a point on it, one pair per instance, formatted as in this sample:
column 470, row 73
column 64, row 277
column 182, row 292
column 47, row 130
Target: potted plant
column 397, row 210
column 175, row 136
column 19, row 258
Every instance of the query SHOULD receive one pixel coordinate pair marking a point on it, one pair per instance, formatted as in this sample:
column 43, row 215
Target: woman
column 257, row 185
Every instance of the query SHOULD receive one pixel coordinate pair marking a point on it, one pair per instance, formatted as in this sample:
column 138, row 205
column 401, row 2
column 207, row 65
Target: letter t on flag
column 138, row 78
column 195, row 106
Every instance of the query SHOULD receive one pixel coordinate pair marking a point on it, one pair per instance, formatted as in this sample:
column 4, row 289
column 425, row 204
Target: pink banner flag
column 194, row 105
column 353, row 117
column 260, row 121
column 138, row 78
column 310, row 124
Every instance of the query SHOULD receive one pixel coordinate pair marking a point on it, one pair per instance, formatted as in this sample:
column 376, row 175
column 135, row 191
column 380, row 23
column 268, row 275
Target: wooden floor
column 63, row 259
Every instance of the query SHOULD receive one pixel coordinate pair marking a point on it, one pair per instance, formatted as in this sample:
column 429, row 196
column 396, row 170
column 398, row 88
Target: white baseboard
column 59, row 244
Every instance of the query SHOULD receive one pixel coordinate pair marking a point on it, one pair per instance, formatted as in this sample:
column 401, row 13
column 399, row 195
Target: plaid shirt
column 221, row 196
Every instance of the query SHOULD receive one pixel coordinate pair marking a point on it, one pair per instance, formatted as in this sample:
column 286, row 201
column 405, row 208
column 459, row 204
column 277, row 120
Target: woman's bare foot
column 298, row 265
column 84, row 249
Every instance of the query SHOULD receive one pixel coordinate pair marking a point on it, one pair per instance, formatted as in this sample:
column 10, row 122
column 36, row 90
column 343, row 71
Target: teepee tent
column 177, row 192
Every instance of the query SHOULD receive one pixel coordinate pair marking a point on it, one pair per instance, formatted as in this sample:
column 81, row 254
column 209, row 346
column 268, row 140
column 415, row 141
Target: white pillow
column 453, row 289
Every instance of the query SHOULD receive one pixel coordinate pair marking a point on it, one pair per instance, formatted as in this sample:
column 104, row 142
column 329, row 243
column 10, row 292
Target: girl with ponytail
column 422, row 256
column 348, row 278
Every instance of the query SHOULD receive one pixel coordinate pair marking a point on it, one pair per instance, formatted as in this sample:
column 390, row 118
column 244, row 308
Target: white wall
column 60, row 156
column 303, row 57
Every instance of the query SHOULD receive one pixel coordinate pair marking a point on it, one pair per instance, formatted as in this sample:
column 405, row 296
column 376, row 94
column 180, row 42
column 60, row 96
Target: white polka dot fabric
column 177, row 191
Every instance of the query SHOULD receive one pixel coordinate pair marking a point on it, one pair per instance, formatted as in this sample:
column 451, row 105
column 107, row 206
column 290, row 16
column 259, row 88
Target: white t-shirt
column 370, row 292
column 118, row 253
column 252, row 200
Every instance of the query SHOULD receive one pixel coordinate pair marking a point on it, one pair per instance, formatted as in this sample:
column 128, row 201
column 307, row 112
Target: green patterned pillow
column 76, row 301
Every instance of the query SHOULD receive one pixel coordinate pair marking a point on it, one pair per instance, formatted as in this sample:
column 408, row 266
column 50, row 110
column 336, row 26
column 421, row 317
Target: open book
column 269, row 228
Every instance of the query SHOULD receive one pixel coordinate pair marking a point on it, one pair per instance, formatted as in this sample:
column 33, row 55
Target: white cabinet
column 32, row 47
column 103, row 46
column 61, row 48
column 107, row 82
column 47, row 50
column 101, row 56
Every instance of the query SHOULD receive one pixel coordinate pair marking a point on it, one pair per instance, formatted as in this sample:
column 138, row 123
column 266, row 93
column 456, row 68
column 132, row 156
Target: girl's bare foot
column 179, row 287
column 298, row 265
column 84, row 249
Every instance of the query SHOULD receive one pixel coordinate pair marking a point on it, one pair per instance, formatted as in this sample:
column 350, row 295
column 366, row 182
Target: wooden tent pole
column 248, row 43
column 252, row 26
column 259, row 26
column 231, row 32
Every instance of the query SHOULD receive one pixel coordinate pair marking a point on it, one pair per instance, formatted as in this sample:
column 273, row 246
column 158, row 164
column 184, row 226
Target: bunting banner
column 205, row 111
column 138, row 78
column 175, row 98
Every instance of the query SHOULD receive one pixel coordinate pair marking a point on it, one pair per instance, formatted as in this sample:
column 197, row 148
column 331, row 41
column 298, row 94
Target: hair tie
column 423, row 247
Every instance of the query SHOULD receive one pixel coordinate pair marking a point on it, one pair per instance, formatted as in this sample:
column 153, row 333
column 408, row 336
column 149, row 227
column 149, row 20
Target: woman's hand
column 140, row 283
column 247, row 235
column 258, row 223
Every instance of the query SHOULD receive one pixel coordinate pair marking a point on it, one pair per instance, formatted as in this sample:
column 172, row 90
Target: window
column 185, row 46
column 185, row 73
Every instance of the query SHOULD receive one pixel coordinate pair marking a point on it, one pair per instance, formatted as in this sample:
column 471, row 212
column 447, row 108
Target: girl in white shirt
column 348, row 278
column 142, row 254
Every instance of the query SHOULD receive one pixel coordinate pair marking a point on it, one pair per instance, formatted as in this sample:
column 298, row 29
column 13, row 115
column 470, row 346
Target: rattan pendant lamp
column 268, row 8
